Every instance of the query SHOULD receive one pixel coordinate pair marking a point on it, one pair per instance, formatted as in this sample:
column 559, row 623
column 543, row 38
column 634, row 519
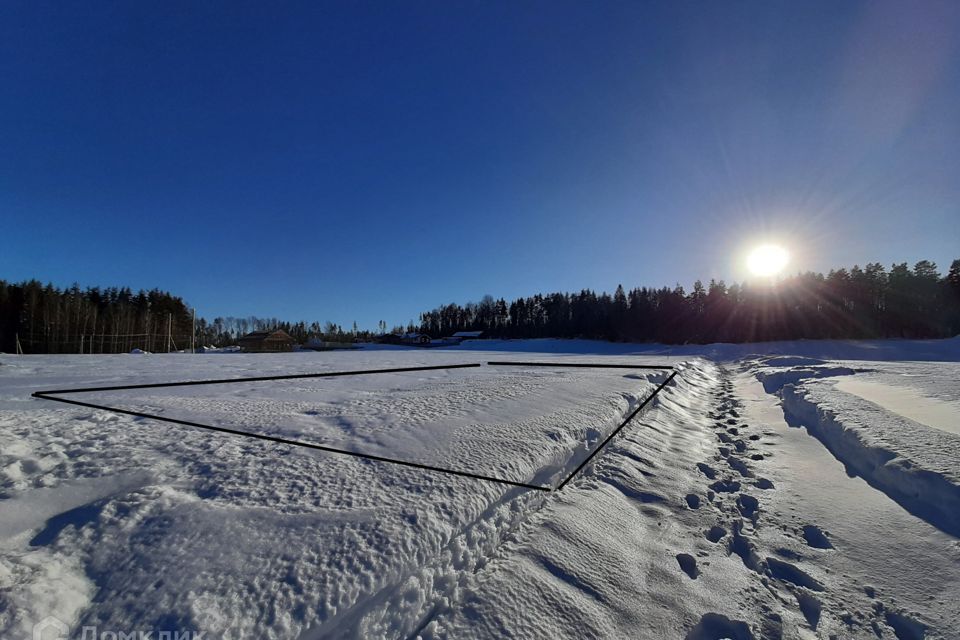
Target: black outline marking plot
column 50, row 395
column 626, row 420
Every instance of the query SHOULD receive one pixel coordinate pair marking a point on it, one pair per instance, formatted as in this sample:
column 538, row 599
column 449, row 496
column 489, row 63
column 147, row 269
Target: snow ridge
column 914, row 465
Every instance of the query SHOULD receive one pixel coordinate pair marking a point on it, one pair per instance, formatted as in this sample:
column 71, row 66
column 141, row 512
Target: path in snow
column 913, row 463
column 712, row 518
column 879, row 564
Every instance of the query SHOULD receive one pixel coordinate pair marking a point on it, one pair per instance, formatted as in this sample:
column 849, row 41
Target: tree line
column 858, row 303
column 38, row 318
column 45, row 319
column 868, row 302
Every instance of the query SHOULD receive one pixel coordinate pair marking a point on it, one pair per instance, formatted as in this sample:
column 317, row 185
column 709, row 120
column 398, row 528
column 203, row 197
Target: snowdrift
column 912, row 463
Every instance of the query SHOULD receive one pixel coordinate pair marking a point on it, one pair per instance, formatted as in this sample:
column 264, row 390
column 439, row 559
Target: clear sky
column 370, row 160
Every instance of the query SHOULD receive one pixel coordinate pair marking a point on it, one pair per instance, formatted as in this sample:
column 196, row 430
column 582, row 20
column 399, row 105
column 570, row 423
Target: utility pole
column 81, row 344
column 193, row 336
column 169, row 330
column 19, row 348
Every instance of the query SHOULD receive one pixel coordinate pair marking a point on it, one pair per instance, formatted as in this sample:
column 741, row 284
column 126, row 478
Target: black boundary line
column 295, row 376
column 616, row 431
column 587, row 365
column 49, row 395
column 296, row 443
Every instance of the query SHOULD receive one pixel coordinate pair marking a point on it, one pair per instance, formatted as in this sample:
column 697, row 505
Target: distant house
column 266, row 341
column 415, row 338
column 390, row 338
column 316, row 344
column 460, row 336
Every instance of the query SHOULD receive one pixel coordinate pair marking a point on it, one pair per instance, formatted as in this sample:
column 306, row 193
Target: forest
column 868, row 302
column 45, row 319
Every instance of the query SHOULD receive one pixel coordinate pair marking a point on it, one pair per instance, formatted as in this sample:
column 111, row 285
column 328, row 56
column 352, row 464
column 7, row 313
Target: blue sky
column 367, row 161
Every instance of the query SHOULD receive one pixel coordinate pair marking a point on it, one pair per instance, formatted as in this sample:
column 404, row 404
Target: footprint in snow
column 793, row 574
column 715, row 534
column 688, row 564
column 816, row 538
column 748, row 505
column 810, row 607
column 714, row 626
column 707, row 470
column 725, row 486
column 740, row 467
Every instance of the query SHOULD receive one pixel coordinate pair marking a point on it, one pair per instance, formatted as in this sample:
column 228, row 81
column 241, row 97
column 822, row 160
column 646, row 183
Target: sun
column 767, row 260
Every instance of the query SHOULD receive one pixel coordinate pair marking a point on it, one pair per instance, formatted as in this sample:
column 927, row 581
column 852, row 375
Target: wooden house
column 266, row 341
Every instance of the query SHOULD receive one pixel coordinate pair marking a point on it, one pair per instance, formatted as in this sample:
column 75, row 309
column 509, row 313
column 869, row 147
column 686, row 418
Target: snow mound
column 791, row 361
column 775, row 379
column 912, row 463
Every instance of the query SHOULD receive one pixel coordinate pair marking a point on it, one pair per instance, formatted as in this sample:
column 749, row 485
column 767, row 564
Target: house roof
column 468, row 334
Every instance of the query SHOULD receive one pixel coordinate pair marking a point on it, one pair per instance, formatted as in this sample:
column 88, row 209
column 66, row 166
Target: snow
column 869, row 544
column 913, row 462
column 710, row 515
column 904, row 401
column 827, row 350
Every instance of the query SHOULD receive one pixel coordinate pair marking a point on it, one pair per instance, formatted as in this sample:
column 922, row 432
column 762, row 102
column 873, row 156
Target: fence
column 105, row 343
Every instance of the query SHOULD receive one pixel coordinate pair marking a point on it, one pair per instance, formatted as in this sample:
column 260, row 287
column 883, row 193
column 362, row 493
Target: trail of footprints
column 734, row 492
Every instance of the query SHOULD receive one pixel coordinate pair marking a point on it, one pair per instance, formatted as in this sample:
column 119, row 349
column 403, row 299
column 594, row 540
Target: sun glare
column 767, row 260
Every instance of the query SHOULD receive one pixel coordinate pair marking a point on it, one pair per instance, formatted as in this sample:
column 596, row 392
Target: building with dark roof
column 266, row 341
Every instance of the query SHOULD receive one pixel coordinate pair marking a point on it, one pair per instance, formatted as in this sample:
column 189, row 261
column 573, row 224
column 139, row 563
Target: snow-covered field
column 708, row 516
